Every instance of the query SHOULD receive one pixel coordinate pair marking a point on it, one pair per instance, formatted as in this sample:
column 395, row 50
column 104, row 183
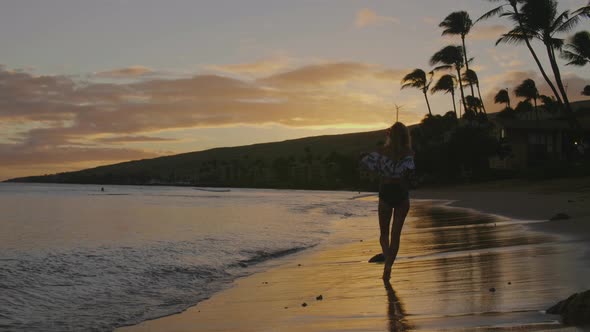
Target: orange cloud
column 72, row 122
column 261, row 67
column 487, row 32
column 128, row 72
column 131, row 139
column 366, row 17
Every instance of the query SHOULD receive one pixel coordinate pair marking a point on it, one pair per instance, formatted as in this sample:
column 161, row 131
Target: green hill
column 313, row 162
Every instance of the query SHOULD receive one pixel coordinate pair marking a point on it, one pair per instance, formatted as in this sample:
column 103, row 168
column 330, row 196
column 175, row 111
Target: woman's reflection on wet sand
column 395, row 310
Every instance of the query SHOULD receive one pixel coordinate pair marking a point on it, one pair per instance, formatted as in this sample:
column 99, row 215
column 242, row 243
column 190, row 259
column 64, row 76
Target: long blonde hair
column 400, row 141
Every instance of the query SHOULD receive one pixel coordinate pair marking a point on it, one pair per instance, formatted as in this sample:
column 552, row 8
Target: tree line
column 531, row 20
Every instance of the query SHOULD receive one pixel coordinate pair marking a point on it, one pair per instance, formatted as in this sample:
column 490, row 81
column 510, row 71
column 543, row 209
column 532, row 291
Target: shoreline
column 273, row 299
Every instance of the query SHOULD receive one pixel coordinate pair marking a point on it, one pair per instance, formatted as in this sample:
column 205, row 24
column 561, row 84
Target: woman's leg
column 385, row 211
column 399, row 216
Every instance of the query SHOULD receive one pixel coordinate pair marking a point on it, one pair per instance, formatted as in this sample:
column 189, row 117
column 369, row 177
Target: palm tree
column 528, row 90
column 542, row 21
column 417, row 79
column 516, row 37
column 577, row 51
column 470, row 76
column 446, row 83
column 458, row 23
column 549, row 103
column 451, row 57
column 473, row 103
column 502, row 97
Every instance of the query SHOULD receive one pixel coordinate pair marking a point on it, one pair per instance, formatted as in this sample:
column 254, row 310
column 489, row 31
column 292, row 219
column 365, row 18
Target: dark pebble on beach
column 361, row 241
column 560, row 216
column 298, row 264
column 509, row 283
column 492, row 289
column 286, row 307
column 319, row 298
column 304, row 304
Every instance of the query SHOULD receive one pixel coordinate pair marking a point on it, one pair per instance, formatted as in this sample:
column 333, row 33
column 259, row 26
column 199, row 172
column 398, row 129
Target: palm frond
column 559, row 20
column 494, row 12
column 583, row 11
column 443, row 67
column 512, row 38
column 568, row 25
column 573, row 58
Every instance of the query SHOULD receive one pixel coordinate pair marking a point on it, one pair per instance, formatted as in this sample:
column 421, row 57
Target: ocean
column 75, row 258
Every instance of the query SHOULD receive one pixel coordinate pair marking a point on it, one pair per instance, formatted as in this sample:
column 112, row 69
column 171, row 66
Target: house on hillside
column 529, row 142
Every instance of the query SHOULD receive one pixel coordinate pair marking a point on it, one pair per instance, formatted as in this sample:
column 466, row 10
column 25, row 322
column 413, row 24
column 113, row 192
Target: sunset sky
column 85, row 82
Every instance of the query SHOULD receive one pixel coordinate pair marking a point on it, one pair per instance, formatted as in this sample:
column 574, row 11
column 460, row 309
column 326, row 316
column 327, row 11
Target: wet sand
column 457, row 270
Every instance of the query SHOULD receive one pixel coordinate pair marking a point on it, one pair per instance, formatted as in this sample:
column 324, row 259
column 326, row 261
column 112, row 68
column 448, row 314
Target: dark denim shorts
column 393, row 194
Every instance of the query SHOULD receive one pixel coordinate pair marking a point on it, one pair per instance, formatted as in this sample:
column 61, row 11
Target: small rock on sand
column 560, row 216
column 575, row 310
column 492, row 289
column 319, row 297
column 304, row 304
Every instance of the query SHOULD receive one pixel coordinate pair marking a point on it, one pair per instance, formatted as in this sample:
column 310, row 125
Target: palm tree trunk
column 427, row 104
column 534, row 54
column 461, row 88
column 557, row 74
column 467, row 63
column 454, row 104
column 481, row 100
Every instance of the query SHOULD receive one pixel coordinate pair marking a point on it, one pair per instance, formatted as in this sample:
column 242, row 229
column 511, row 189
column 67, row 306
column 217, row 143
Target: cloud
column 14, row 156
column 366, row 17
column 57, row 119
column 261, row 67
column 132, row 139
column 328, row 73
column 128, row 72
column 429, row 20
column 487, row 32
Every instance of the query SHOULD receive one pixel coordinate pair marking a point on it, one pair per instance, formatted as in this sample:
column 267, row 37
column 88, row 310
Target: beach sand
column 505, row 274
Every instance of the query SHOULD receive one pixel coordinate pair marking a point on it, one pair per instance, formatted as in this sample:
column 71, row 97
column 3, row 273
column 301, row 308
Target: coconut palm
column 528, row 90
column 473, row 104
column 502, row 97
column 577, row 51
column 418, row 79
column 542, row 21
column 549, row 103
column 470, row 76
column 447, row 84
column 517, row 37
column 450, row 57
column 458, row 23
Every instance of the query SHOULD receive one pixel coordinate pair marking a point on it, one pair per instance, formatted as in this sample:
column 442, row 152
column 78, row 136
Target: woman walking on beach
column 393, row 163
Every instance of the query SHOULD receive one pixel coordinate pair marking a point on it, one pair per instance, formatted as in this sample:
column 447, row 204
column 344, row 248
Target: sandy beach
column 510, row 267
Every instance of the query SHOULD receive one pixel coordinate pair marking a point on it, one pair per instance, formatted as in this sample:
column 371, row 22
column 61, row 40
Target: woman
column 393, row 163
